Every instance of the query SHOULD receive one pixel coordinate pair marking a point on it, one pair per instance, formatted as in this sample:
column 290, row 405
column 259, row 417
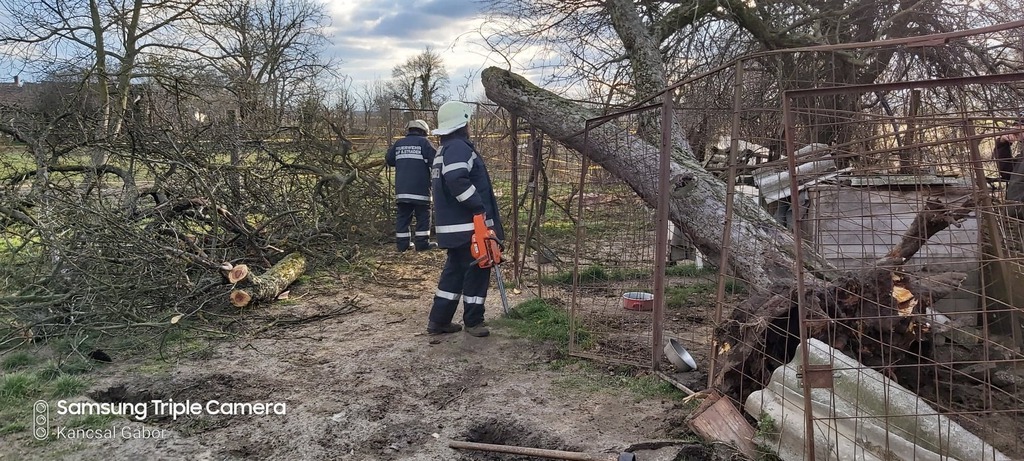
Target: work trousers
column 403, row 221
column 460, row 278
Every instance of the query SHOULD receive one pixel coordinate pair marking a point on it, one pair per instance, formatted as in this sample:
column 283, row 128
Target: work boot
column 478, row 330
column 434, row 328
column 426, row 246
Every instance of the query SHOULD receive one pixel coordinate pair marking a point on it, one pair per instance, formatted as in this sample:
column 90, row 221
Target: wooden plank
column 717, row 419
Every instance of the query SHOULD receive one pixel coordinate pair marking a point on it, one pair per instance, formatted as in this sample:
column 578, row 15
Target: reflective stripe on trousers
column 460, row 277
column 403, row 220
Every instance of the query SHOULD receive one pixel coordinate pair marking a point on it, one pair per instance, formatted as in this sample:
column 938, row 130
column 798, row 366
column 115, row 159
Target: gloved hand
column 484, row 245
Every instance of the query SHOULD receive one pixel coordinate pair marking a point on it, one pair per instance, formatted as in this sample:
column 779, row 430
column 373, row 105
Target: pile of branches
column 125, row 235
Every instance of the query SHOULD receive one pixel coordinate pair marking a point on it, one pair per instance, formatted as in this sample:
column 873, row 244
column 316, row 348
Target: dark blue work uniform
column 461, row 188
column 412, row 157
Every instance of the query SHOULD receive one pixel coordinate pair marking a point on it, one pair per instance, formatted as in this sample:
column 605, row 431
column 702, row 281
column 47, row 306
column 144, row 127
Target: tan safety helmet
column 451, row 116
column 418, row 124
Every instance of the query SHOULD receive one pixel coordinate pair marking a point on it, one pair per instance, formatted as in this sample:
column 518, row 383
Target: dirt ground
column 370, row 385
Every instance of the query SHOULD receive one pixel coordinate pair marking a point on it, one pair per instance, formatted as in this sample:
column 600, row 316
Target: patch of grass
column 155, row 367
column 12, row 428
column 68, row 386
column 50, row 371
column 689, row 270
column 78, row 367
column 537, row 319
column 766, row 426
column 677, row 297
column 91, row 421
column 558, row 229
column 651, row 387
column 681, row 296
column 71, row 345
column 623, row 379
column 17, row 386
column 735, row 287
column 19, row 359
column 596, row 274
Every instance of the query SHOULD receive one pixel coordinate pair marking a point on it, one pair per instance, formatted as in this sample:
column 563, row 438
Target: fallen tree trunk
column 267, row 287
column 762, row 250
column 879, row 316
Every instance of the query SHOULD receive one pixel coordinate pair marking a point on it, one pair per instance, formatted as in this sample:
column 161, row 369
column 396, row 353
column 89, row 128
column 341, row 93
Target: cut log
column 240, row 297
column 238, row 273
column 266, row 287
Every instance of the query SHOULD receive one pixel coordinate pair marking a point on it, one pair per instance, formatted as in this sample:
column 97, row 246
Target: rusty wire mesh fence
column 910, row 289
column 908, row 279
column 613, row 298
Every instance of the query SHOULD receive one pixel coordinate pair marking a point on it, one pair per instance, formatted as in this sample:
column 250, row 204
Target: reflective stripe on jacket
column 461, row 188
column 412, row 156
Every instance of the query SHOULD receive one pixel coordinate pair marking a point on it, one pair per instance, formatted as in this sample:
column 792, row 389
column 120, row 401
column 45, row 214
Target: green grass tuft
column 767, row 431
column 68, row 386
column 52, row 370
column 651, row 387
column 536, row 319
column 16, row 386
column 19, row 359
column 678, row 297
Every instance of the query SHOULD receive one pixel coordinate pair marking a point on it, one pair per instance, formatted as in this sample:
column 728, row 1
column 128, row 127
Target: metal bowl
column 679, row 357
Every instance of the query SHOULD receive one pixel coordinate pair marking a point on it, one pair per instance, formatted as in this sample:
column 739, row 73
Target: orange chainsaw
column 486, row 251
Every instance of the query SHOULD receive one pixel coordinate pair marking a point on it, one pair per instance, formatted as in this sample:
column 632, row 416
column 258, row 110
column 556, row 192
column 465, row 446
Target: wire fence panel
column 909, row 292
column 613, row 274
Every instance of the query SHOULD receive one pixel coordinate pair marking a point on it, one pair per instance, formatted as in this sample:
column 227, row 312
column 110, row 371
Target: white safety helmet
column 451, row 116
column 418, row 124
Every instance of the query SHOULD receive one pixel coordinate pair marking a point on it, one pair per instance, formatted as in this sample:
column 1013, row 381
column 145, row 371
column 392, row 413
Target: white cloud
column 372, row 37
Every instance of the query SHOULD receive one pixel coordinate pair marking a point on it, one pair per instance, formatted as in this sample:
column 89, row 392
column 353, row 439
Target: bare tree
column 270, row 51
column 419, row 83
column 151, row 85
column 374, row 100
column 108, row 37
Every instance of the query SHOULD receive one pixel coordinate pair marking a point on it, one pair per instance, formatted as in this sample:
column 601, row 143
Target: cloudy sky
column 370, row 37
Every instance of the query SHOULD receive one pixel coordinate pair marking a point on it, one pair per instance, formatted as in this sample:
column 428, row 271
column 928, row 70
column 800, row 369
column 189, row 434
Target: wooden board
column 717, row 419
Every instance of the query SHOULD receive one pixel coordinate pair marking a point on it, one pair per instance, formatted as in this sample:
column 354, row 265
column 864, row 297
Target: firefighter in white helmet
column 412, row 157
column 464, row 206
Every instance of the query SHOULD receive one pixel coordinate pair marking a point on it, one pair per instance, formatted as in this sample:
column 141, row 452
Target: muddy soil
column 370, row 385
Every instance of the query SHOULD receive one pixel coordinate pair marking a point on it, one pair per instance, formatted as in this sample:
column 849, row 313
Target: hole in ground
column 510, row 432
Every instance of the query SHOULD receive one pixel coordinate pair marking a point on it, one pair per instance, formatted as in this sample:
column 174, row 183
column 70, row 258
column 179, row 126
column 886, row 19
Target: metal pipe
column 730, row 193
column 536, row 452
column 517, row 266
column 790, row 126
column 908, row 85
column 661, row 234
column 996, row 234
column 584, row 165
